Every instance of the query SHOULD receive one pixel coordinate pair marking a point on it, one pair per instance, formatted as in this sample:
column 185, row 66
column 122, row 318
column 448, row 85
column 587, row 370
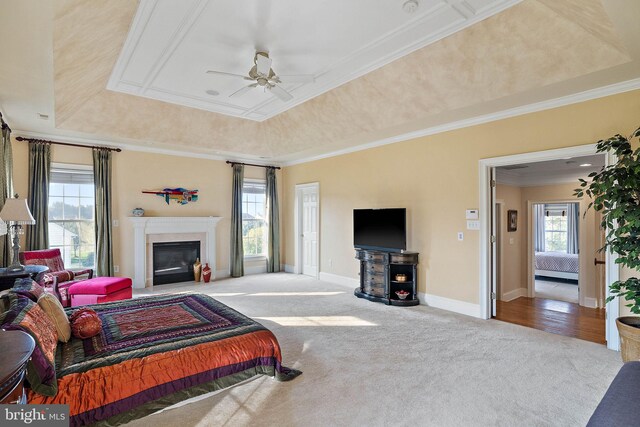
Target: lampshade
column 17, row 211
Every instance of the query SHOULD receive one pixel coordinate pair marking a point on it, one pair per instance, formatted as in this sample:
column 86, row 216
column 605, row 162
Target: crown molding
column 584, row 96
column 439, row 20
column 588, row 95
column 89, row 142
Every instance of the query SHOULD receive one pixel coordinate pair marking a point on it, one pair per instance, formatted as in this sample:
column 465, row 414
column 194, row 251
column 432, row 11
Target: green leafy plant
column 615, row 192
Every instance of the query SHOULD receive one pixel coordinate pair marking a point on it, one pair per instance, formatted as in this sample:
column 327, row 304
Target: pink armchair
column 57, row 278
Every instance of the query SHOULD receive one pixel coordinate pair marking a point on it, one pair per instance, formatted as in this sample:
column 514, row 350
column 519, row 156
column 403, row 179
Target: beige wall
column 136, row 171
column 513, row 242
column 436, row 179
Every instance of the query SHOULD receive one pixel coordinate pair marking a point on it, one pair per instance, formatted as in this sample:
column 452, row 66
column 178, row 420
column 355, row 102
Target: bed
column 557, row 264
column 156, row 351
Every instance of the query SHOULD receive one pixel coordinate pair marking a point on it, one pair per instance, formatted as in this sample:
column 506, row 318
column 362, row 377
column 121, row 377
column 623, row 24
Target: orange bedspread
column 144, row 382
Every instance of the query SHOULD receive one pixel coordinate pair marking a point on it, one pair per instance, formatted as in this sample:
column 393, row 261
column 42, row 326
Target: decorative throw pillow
column 55, row 311
column 85, row 323
column 28, row 288
column 25, row 315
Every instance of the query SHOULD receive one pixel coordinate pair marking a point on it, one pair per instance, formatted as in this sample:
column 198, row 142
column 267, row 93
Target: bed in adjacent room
column 557, row 264
column 156, row 351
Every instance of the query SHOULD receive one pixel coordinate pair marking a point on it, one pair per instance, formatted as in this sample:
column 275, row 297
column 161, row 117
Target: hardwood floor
column 558, row 317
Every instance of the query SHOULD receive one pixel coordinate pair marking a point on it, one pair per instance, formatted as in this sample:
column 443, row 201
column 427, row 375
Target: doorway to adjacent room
column 540, row 263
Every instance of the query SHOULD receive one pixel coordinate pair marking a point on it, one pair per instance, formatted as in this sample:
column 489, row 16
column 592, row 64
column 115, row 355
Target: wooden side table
column 8, row 278
column 17, row 347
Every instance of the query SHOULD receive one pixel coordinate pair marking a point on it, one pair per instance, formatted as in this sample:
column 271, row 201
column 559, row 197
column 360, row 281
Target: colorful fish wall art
column 182, row 196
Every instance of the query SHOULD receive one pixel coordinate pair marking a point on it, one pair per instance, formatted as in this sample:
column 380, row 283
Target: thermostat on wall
column 472, row 213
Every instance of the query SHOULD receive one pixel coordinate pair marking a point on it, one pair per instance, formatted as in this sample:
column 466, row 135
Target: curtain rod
column 251, row 164
column 4, row 124
column 44, row 141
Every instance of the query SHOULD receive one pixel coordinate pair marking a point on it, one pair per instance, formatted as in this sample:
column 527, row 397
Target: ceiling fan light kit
column 410, row 6
column 263, row 75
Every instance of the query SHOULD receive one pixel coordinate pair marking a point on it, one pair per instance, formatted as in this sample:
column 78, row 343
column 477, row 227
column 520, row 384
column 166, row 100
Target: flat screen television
column 380, row 229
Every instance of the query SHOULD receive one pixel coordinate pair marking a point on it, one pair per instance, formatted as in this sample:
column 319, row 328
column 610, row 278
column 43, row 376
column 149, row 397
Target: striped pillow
column 25, row 315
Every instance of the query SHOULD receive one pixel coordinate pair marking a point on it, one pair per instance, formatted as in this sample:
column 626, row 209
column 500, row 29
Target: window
column 254, row 226
column 71, row 208
column 555, row 228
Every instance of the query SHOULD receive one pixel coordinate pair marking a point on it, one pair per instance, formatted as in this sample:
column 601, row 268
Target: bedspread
column 557, row 261
column 156, row 351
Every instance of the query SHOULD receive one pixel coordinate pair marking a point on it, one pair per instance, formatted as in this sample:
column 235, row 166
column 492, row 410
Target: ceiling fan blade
column 243, row 90
column 263, row 64
column 281, row 93
column 222, row 73
column 300, row 78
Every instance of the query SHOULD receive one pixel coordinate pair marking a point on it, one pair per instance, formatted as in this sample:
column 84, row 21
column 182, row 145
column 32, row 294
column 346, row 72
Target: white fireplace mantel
column 145, row 226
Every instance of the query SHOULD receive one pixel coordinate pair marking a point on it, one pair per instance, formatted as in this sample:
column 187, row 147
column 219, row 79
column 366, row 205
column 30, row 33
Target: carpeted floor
column 367, row 364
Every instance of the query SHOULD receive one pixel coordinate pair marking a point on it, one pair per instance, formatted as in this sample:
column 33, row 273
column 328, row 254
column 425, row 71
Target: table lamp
column 15, row 213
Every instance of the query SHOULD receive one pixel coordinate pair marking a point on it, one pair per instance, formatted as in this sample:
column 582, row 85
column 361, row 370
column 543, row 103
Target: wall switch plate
column 460, row 236
column 116, row 269
column 511, row 240
column 473, row 225
column 116, row 223
column 472, row 214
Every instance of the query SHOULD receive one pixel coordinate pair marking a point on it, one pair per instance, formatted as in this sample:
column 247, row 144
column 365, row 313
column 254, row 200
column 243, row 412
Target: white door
column 309, row 233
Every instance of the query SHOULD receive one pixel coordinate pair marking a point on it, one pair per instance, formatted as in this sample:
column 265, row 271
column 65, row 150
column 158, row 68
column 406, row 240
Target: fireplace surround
column 148, row 230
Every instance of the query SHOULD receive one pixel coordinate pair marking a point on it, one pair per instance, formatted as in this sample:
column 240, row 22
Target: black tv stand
column 379, row 271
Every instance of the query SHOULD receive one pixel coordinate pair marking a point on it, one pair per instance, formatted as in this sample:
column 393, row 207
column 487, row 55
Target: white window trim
column 71, row 166
column 256, row 181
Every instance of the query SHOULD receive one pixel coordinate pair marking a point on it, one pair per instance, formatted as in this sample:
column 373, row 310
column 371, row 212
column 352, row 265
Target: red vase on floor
column 206, row 273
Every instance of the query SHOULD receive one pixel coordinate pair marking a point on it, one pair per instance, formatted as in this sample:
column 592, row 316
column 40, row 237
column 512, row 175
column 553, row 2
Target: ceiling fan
column 265, row 77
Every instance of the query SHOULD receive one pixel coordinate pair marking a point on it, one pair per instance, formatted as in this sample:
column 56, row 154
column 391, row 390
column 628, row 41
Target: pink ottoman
column 100, row 289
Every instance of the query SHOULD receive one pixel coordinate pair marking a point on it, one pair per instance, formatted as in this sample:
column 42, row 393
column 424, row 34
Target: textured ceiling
column 171, row 45
column 550, row 172
column 535, row 50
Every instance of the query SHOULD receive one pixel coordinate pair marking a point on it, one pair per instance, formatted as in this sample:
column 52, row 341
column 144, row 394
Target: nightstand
column 8, row 278
column 17, row 347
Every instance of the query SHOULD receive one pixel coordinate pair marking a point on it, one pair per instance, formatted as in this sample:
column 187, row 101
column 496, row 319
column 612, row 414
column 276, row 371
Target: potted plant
column 615, row 192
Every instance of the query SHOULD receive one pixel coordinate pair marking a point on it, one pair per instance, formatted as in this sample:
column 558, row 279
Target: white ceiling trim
column 588, row 95
column 531, row 108
column 89, row 142
column 442, row 20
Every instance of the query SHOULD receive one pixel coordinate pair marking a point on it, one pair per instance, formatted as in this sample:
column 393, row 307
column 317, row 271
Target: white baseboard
column 436, row 301
column 590, row 302
column 449, row 304
column 221, row 274
column 258, row 269
column 339, row 280
column 516, row 293
column 289, row 268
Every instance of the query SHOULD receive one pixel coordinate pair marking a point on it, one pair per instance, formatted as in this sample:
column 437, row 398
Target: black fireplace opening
column 173, row 261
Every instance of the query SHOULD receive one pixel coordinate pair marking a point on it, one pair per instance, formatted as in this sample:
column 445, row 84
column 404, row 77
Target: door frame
column 499, row 251
column 484, row 172
column 582, row 243
column 297, row 268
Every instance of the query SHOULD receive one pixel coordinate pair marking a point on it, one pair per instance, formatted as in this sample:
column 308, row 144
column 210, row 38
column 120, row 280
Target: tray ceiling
column 171, row 45
column 533, row 55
